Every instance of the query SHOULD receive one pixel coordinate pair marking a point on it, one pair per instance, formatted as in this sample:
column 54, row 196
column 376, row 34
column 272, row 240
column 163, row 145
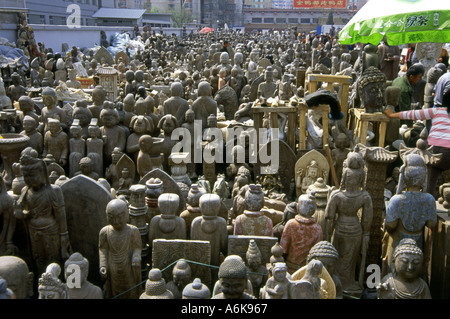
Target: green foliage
column 181, row 17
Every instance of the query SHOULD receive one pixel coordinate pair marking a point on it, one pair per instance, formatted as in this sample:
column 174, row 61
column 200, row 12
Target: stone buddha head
column 233, row 277
column 372, row 90
column 16, row 273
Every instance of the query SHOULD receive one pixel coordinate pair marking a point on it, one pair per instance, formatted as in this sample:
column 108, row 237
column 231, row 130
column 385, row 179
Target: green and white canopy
column 402, row 21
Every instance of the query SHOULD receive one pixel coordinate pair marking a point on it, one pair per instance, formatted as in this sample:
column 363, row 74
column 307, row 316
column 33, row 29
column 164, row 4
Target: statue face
column 254, row 261
column 408, row 266
column 117, row 218
column 279, row 274
column 54, row 127
column 33, row 178
column 233, row 288
column 181, row 279
column 49, row 293
column 83, row 118
column 93, row 132
column 109, row 120
column 139, row 126
column 313, row 172
column 373, row 97
column 75, row 132
column 29, row 126
column 190, row 117
column 85, row 168
column 48, row 100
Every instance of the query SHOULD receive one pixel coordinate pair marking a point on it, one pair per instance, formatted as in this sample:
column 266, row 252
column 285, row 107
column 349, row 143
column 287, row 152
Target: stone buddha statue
column 50, row 286
column 404, row 282
column 181, row 275
column 371, row 87
column 86, row 290
column 41, row 206
column 120, row 247
column 300, row 233
column 176, row 105
column 351, row 233
column 155, row 287
column 267, row 88
column 196, row 290
column 193, row 207
column 167, row 225
column 253, row 222
column 410, row 210
column 16, row 273
column 233, row 277
column 204, row 105
column 257, row 272
column 325, row 252
column 277, row 286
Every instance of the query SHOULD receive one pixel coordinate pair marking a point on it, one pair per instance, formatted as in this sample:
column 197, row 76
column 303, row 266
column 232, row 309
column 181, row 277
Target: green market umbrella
column 402, row 21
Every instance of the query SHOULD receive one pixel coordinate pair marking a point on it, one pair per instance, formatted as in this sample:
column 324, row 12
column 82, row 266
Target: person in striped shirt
column 439, row 136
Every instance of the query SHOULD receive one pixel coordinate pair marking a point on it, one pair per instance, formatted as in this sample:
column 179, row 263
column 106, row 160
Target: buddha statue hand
column 65, row 246
column 136, row 261
column 365, row 242
column 385, row 291
column 11, row 249
column 103, row 273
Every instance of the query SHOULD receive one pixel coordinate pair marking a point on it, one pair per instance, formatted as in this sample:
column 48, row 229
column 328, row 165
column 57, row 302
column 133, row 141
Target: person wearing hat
column 439, row 136
column 225, row 46
column 406, row 84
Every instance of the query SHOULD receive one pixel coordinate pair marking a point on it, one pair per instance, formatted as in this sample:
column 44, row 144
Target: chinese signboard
column 339, row 4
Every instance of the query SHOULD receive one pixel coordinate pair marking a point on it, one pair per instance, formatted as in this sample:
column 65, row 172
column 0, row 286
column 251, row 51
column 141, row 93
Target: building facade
column 306, row 20
column 53, row 12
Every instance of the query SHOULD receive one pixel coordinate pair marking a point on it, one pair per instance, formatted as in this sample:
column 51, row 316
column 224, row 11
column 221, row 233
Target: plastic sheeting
column 122, row 41
column 9, row 55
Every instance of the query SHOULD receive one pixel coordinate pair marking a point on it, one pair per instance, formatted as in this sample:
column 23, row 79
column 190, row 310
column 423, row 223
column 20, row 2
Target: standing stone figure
column 120, row 248
column 253, row 222
column 410, row 210
column 41, row 206
column 301, row 233
column 350, row 233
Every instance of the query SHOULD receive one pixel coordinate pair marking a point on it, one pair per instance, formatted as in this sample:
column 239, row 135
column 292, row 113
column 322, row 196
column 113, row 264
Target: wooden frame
column 343, row 80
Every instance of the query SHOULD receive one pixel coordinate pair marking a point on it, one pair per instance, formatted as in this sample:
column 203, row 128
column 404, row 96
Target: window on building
column 344, row 21
column 305, row 20
column 36, row 19
column 315, row 20
column 293, row 20
column 269, row 20
column 256, row 20
column 280, row 20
